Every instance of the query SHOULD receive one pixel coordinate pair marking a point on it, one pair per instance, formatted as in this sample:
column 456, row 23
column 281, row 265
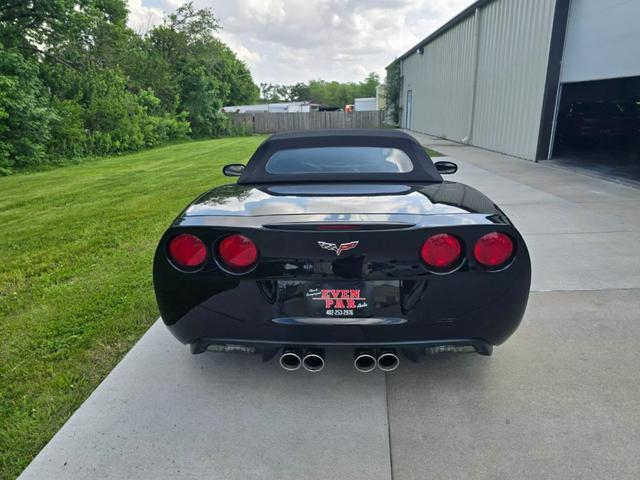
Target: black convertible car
column 342, row 238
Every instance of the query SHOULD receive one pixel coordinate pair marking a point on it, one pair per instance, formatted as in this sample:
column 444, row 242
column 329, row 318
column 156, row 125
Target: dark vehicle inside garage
column 598, row 127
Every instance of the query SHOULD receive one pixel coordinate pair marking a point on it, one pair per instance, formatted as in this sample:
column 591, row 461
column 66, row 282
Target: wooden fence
column 267, row 122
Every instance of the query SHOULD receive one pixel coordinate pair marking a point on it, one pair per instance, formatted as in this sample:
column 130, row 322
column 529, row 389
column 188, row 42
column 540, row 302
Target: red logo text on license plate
column 339, row 302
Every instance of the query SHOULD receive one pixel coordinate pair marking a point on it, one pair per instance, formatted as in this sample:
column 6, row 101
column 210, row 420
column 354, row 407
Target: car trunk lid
column 330, row 199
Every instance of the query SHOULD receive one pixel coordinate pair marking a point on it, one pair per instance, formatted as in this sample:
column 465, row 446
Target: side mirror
column 233, row 170
column 446, row 168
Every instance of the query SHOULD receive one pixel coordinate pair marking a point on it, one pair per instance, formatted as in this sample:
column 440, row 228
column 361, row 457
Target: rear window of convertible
column 303, row 161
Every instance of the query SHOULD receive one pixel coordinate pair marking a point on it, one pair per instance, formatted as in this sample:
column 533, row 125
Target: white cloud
column 251, row 57
column 286, row 41
column 141, row 17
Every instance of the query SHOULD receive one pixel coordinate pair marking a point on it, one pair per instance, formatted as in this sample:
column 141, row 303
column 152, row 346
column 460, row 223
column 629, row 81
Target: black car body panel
column 407, row 302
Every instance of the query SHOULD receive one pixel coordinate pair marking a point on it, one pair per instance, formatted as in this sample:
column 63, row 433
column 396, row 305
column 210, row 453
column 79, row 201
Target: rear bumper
column 411, row 348
column 447, row 310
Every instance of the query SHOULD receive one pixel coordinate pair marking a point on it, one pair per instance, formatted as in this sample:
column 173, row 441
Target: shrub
column 68, row 136
column 158, row 130
column 24, row 114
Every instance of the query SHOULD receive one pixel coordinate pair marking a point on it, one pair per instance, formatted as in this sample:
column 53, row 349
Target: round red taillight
column 187, row 250
column 441, row 251
column 493, row 249
column 237, row 252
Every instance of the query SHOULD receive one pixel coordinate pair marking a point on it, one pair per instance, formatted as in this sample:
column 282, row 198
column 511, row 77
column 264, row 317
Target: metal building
column 512, row 76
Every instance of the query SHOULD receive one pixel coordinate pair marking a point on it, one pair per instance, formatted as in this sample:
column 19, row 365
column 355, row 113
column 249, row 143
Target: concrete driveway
column 561, row 399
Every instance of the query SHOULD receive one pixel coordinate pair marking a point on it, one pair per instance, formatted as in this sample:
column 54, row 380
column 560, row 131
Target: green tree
column 208, row 74
column 300, row 92
column 25, row 117
column 394, row 90
column 367, row 88
column 274, row 93
column 237, row 86
column 337, row 94
column 76, row 81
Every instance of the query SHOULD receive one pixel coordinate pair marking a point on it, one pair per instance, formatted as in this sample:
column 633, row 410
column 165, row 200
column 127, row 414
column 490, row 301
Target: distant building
column 288, row 107
column 365, row 104
column 370, row 104
column 263, row 107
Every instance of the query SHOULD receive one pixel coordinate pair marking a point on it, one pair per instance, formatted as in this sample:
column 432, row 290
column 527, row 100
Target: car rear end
column 419, row 283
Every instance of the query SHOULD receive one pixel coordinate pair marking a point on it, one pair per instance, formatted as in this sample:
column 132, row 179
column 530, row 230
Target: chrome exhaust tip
column 290, row 360
column 388, row 361
column 313, row 360
column 364, row 361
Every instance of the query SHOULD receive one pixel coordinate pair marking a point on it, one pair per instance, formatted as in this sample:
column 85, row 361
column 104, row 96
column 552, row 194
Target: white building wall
column 513, row 51
column 602, row 40
column 515, row 38
column 441, row 80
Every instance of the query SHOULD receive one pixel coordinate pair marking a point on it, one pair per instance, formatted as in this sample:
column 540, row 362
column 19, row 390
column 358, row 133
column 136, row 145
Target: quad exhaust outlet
column 290, row 360
column 367, row 361
column 364, row 361
column 388, row 361
column 313, row 360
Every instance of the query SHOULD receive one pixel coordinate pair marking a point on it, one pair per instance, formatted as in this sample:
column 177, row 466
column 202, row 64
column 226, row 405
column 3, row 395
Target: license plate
column 339, row 300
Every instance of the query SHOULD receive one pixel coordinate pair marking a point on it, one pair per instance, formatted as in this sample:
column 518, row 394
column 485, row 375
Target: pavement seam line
column 622, row 289
column 386, row 391
column 632, row 230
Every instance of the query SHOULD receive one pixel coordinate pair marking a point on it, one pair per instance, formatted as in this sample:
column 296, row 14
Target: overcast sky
column 289, row 41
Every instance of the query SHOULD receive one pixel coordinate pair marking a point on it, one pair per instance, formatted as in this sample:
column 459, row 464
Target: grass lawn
column 433, row 153
column 76, row 249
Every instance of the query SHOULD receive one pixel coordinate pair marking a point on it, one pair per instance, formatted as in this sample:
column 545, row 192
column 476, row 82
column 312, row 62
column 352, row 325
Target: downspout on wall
column 474, row 85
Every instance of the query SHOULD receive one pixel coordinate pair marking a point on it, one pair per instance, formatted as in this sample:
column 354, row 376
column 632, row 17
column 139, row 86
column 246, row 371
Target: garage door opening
column 598, row 127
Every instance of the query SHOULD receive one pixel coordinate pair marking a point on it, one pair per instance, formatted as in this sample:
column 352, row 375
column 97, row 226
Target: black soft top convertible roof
column 423, row 168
